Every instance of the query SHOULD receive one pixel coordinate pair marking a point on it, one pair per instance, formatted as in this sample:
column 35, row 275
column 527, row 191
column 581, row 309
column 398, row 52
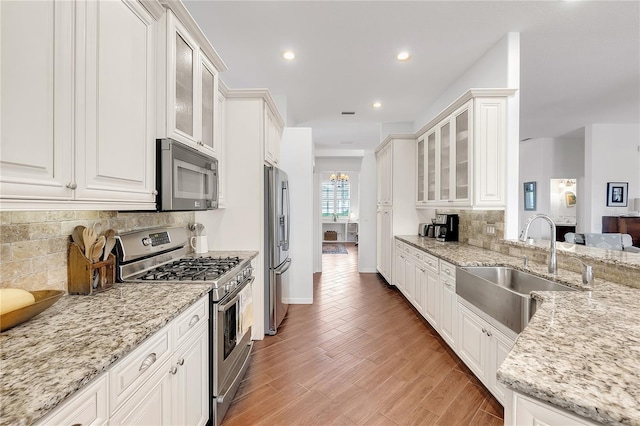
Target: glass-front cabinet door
column 462, row 124
column 209, row 91
column 184, row 84
column 445, row 161
column 431, row 177
column 420, row 172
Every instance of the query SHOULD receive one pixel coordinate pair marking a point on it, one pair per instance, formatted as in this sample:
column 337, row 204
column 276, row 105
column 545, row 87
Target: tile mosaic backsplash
column 34, row 245
column 472, row 227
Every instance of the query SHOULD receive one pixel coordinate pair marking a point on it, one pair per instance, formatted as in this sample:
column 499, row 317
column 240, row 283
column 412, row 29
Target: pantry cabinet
column 396, row 210
column 82, row 96
column 461, row 153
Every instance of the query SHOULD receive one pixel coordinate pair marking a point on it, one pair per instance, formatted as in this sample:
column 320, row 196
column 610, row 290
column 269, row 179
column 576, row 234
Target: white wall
column 368, row 230
column 296, row 159
column 544, row 159
column 611, row 155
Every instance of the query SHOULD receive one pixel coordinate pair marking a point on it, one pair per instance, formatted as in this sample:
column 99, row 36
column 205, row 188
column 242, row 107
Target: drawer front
column 136, row 368
column 190, row 319
column 88, row 407
column 431, row 262
column 401, row 247
column 448, row 269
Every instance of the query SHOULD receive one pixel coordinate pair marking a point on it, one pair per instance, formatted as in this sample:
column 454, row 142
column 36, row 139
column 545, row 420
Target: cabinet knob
column 173, row 370
column 155, row 192
column 72, row 185
column 181, row 361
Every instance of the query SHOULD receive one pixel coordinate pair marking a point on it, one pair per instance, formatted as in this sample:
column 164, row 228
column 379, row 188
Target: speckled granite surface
column 48, row 358
column 581, row 350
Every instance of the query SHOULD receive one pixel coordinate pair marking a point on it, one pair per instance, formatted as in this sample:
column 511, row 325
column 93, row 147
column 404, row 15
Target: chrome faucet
column 553, row 263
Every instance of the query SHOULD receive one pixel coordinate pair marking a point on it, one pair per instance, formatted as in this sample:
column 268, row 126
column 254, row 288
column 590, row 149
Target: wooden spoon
column 76, row 236
column 89, row 237
column 96, row 250
column 97, row 228
column 111, row 242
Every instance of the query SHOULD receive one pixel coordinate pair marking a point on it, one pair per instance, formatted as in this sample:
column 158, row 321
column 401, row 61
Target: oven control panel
column 156, row 239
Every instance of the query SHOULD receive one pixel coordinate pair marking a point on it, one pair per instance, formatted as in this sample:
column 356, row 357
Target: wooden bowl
column 44, row 300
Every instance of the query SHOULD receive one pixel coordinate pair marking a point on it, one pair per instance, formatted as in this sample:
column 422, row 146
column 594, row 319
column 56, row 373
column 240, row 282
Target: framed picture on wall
column 530, row 196
column 617, row 194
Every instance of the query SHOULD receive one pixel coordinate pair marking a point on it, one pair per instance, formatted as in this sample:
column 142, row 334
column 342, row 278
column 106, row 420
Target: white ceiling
column 580, row 60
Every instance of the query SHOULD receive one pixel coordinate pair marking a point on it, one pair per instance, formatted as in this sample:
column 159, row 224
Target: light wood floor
column 359, row 355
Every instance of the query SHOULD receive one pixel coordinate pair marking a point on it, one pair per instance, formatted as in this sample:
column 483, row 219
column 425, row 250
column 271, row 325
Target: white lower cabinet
column 88, row 407
column 385, row 241
column 483, row 347
column 164, row 381
column 431, row 309
column 527, row 411
column 448, row 305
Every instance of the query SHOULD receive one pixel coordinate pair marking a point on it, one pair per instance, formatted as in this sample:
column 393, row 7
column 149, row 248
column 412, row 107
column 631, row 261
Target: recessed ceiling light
column 289, row 55
column 376, row 104
column 403, row 56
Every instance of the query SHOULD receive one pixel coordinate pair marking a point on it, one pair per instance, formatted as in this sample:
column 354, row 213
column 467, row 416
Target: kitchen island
column 581, row 349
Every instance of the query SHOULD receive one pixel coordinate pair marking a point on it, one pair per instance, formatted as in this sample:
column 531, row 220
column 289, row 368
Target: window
column 336, row 198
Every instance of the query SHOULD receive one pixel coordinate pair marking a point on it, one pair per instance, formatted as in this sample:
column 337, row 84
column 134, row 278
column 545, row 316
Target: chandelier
column 340, row 177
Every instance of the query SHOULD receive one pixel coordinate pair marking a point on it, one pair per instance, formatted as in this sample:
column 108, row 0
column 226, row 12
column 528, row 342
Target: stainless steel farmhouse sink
column 503, row 292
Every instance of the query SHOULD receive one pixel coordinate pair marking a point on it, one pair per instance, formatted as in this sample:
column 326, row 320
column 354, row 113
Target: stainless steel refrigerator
column 276, row 246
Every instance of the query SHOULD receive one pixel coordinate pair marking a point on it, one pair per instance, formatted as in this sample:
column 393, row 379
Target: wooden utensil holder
column 81, row 272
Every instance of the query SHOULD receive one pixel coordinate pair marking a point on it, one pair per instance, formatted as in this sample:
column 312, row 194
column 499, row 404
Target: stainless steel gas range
column 160, row 255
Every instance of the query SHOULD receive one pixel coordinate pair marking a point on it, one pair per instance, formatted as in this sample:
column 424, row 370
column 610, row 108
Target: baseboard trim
column 368, row 271
column 299, row 301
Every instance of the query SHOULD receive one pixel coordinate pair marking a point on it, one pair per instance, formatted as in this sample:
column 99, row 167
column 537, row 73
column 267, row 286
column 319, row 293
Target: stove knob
column 146, row 241
column 247, row 272
column 240, row 278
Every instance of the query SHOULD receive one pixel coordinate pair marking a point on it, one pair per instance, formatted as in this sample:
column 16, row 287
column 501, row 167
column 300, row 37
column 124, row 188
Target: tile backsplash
column 34, row 244
column 472, row 227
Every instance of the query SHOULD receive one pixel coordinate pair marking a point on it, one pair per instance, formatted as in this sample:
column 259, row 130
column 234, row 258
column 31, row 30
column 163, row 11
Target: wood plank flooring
column 359, row 355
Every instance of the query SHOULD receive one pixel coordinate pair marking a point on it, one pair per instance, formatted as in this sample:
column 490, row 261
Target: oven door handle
column 235, row 298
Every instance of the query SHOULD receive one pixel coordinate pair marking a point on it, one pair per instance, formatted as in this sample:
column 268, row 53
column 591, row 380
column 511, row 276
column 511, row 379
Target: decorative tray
column 44, row 300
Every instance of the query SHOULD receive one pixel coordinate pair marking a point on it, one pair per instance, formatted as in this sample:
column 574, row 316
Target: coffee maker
column 447, row 227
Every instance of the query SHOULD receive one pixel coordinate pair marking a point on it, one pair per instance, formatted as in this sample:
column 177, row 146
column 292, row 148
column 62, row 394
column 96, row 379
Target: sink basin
column 502, row 292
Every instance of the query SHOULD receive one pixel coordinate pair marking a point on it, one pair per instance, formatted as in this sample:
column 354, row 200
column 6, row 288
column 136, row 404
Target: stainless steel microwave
column 186, row 179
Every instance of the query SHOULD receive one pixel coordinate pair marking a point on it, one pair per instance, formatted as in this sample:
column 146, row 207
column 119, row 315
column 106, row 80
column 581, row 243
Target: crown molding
column 153, row 7
column 464, row 98
column 392, row 136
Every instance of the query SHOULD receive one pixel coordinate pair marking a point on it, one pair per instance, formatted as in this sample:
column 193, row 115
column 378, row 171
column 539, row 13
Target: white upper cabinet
column 115, row 129
column 461, row 153
column 272, row 137
column 36, row 109
column 77, row 111
column 188, row 87
column 384, row 165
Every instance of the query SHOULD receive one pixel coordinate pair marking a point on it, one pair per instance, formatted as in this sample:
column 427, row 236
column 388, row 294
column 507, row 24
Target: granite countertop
column 581, row 350
column 47, row 359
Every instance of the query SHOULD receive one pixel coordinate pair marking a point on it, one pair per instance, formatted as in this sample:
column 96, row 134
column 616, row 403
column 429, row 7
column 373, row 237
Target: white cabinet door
column 36, row 108
column 192, row 379
column 384, row 244
column 530, row 412
column 272, row 137
column 461, row 166
column 89, row 406
column 115, row 102
column 151, row 404
column 410, row 280
column 421, row 287
column 489, row 146
column 432, row 300
column 399, row 276
column 449, row 311
column 500, row 347
column 472, row 345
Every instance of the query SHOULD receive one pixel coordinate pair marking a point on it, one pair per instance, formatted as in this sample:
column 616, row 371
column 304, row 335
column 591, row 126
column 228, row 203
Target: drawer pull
column 148, row 361
column 194, row 319
column 447, row 271
column 181, row 361
column 173, row 370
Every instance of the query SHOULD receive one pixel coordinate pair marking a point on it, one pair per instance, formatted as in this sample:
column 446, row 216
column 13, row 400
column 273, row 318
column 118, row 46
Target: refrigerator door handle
column 284, row 267
column 286, row 219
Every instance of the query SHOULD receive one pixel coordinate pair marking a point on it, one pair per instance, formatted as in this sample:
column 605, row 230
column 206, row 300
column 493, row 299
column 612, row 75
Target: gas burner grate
column 192, row 269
